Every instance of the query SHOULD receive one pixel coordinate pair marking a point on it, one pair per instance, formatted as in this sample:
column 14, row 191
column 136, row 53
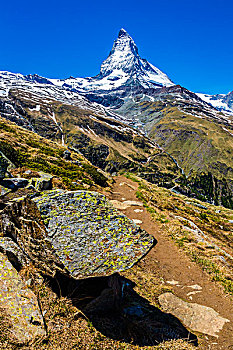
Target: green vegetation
column 28, row 150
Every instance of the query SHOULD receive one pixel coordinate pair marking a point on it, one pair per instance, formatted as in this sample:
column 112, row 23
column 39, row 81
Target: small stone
column 194, row 292
column 126, row 204
column 138, row 210
column 67, row 155
column 137, row 222
column 173, row 282
column 195, row 286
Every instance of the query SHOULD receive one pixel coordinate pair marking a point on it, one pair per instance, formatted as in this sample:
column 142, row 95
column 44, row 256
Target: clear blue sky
column 191, row 41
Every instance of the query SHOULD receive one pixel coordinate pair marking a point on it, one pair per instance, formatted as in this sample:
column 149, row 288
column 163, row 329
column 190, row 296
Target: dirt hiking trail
column 186, row 279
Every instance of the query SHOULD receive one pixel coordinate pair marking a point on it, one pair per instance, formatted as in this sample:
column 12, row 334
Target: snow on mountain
column 123, row 67
column 220, row 101
column 124, row 73
column 40, row 88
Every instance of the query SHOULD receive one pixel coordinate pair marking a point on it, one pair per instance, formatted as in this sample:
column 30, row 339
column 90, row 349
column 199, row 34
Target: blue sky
column 191, row 41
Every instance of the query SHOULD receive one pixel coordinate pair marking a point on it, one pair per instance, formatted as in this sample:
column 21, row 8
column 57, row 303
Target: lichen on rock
column 76, row 233
column 19, row 303
column 90, row 237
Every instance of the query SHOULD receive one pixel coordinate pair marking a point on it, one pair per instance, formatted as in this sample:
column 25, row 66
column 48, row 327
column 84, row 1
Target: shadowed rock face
column 20, row 220
column 89, row 236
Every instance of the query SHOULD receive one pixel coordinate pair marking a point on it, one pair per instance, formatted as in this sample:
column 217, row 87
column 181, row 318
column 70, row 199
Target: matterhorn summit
column 123, row 56
column 124, row 63
column 123, row 68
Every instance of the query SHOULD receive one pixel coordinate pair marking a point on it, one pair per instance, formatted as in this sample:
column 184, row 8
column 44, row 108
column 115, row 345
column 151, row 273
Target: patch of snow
column 37, row 108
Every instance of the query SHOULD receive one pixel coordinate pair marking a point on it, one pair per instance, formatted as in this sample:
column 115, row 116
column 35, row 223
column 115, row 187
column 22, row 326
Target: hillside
column 202, row 230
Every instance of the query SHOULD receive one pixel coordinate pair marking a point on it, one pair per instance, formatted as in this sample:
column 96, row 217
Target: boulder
column 19, row 304
column 90, row 237
column 198, row 318
column 14, row 183
column 67, row 155
column 42, row 183
column 76, row 233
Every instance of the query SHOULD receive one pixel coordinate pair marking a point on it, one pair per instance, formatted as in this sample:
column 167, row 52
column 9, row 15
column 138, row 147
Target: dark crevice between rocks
column 2, row 205
column 14, row 261
column 117, row 311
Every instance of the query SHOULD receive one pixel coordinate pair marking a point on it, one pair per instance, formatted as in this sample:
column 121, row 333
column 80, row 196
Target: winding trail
column 187, row 280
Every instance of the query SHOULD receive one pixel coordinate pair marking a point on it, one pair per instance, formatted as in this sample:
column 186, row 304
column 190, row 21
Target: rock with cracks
column 76, row 233
column 90, row 237
column 19, row 304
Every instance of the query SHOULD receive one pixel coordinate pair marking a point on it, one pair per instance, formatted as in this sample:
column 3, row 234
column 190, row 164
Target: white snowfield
column 47, row 91
column 218, row 101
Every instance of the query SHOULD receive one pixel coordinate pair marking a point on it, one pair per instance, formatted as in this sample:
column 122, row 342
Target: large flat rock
column 19, row 304
column 196, row 317
column 90, row 237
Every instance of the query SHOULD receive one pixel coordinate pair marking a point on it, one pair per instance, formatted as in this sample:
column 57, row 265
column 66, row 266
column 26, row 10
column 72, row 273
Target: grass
column 29, row 151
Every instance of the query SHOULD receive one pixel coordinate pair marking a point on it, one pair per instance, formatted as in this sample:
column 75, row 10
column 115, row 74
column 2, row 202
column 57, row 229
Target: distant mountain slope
column 220, row 101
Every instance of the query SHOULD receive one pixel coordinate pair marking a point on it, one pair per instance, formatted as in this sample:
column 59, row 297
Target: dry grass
column 68, row 328
column 176, row 215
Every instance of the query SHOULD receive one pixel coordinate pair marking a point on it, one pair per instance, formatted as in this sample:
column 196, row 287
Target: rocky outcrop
column 19, row 304
column 21, row 221
column 42, row 183
column 76, row 233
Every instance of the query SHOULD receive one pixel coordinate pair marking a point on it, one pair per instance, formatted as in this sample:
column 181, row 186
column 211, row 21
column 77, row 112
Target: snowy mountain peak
column 122, row 32
column 123, row 56
column 123, row 70
column 125, row 65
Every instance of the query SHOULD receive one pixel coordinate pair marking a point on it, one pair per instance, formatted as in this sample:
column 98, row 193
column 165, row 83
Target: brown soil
column 174, row 265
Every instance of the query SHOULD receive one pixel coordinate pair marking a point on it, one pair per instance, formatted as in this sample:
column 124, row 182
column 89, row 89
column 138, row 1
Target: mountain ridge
column 123, row 68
